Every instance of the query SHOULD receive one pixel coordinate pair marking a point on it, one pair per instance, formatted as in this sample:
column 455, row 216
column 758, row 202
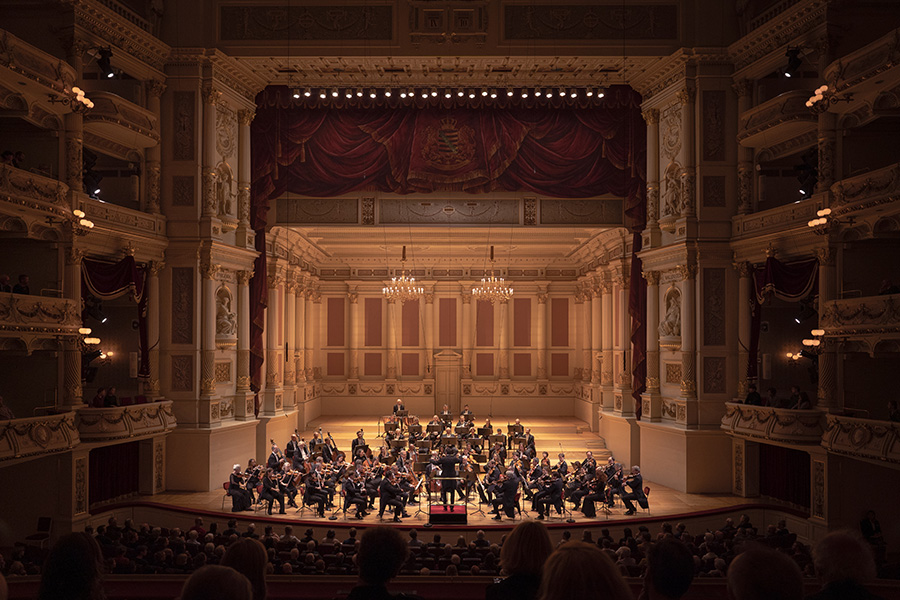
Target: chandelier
column 492, row 288
column 402, row 288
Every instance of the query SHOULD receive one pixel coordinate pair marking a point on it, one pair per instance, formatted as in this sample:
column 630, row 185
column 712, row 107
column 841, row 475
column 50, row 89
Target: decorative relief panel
column 467, row 211
column 183, row 190
column 318, row 210
column 590, row 21
column 81, row 477
column 863, row 438
column 226, row 125
column 609, row 212
column 738, row 453
column 714, row 306
column 713, row 107
column 714, row 374
column 182, row 373
column 184, row 116
column 37, row 435
column 714, row 191
column 778, row 424
column 182, row 305
column 99, row 424
column 159, row 466
column 673, row 373
column 306, row 23
column 818, row 489
column 223, row 372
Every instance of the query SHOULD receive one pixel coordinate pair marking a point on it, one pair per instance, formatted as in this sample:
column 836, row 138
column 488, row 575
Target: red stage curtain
column 113, row 472
column 111, row 280
column 784, row 474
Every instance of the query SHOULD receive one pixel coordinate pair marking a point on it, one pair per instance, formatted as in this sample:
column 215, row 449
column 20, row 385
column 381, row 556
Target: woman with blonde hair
column 579, row 570
column 522, row 559
column 248, row 557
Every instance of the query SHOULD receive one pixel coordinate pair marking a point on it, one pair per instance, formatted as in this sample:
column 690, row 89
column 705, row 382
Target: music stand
column 484, row 432
column 461, row 430
column 388, row 426
column 402, row 415
column 424, row 445
column 448, row 440
column 415, row 429
column 397, row 445
column 493, row 439
column 434, row 427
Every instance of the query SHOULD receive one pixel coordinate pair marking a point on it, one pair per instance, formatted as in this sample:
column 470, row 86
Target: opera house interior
column 662, row 232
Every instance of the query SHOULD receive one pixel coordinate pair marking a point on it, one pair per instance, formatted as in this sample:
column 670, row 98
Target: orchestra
column 444, row 460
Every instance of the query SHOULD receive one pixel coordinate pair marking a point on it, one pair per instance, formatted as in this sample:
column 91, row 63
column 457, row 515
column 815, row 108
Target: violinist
column 271, row 491
column 275, row 457
column 506, row 496
column 354, row 494
column 390, row 496
column 286, row 484
column 240, row 498
column 446, row 415
column 315, row 490
column 596, row 492
column 590, row 463
column 562, row 466
column 615, row 484
column 358, row 443
column 551, row 495
column 251, row 476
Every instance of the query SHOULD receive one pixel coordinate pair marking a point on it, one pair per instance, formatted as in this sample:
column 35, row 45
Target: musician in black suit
column 240, row 498
column 359, row 442
column 271, row 491
column 315, row 491
column 562, row 466
column 552, row 497
column 287, row 487
column 354, row 495
column 390, row 495
column 506, row 496
column 252, row 477
column 292, row 447
column 275, row 457
column 636, row 484
column 529, row 439
column 448, row 464
column 399, row 406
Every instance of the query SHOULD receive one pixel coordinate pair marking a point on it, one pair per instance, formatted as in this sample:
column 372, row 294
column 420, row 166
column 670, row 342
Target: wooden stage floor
column 551, row 434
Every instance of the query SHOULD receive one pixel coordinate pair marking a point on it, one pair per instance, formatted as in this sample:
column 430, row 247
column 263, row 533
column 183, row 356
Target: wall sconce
column 821, row 99
column 824, row 218
column 75, row 99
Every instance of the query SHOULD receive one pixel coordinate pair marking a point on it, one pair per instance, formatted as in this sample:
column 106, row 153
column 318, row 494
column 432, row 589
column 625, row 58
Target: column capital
column 274, row 280
column 245, row 117
column 466, row 297
column 353, row 296
column 825, row 256
column 74, row 255
column 542, row 297
column 155, row 88
column 742, row 87
column 743, row 267
column 244, row 277
column 651, row 116
column 688, row 271
column 652, row 277
column 686, row 96
column 208, row 270
column 155, row 267
column 429, row 297
column 210, row 95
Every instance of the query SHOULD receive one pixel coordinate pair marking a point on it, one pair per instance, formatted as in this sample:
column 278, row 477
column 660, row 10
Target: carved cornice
column 652, row 277
column 114, row 30
column 863, row 438
column 20, row 312
column 245, row 117
column 229, row 72
column 24, row 59
column 651, row 116
column 870, row 314
column 861, row 65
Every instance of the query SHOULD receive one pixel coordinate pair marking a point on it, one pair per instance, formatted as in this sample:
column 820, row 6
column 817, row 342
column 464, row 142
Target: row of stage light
column 449, row 93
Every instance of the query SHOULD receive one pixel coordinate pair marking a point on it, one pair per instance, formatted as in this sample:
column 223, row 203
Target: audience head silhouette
column 760, row 573
column 579, row 570
column 214, row 582
column 73, row 569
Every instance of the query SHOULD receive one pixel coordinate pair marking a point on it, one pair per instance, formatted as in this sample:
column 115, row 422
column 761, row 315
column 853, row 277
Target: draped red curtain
column 784, row 474
column 107, row 281
column 565, row 152
column 637, row 308
column 113, row 472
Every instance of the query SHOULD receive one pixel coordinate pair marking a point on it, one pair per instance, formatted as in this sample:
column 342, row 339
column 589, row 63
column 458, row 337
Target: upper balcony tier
column 784, row 117
column 876, row 64
column 124, row 422
column 119, row 120
column 27, row 72
column 793, row 216
column 34, row 319
column 106, row 215
column 866, row 189
column 863, row 438
column 35, row 436
column 774, row 424
column 30, row 191
column 876, row 316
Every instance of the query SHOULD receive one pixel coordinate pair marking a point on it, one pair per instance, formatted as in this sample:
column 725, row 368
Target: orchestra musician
column 514, row 431
column 390, row 496
column 596, row 492
column 466, row 412
column 446, row 415
column 275, row 457
column 562, row 466
column 355, row 494
column 292, row 447
column 551, row 495
column 590, row 463
column 240, row 498
column 286, row 483
column 529, row 440
column 615, row 483
column 447, row 464
column 636, row 484
column 271, row 491
column 251, row 476
column 316, row 492
column 506, row 496
column 399, row 406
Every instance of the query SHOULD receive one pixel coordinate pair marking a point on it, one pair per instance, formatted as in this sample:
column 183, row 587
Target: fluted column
column 273, row 398
column 429, row 334
column 154, row 89
column 651, row 116
column 744, row 270
column 300, row 337
column 311, row 325
column 651, row 406
column 503, row 341
column 290, row 330
column 541, row 333
column 210, row 97
column 688, row 333
column 688, row 135
column 743, row 89
column 243, row 341
column 208, row 272
column 392, row 333
column 622, row 367
column 245, row 117
column 606, row 363
column 827, row 140
column 828, row 396
column 355, row 333
column 72, row 391
column 152, row 386
column 597, row 327
column 467, row 330
column 587, row 348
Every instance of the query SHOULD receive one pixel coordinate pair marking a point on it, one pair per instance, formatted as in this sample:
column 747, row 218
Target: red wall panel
column 522, row 321
column 522, row 365
column 372, row 364
column 373, row 322
column 484, row 323
column 335, row 363
column 484, row 364
column 559, row 321
column 409, row 364
column 447, row 320
column 559, row 365
column 410, row 317
column 335, row 335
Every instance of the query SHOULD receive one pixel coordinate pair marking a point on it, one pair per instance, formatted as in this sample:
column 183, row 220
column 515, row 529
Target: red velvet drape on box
column 560, row 152
column 111, row 280
column 113, row 472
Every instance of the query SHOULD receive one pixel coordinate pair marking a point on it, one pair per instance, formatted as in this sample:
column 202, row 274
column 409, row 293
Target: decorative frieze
column 103, row 424
column 863, row 438
column 37, row 435
column 776, row 424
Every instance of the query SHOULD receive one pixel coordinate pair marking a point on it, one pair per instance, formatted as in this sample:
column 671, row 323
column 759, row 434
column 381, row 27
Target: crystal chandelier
column 492, row 288
column 402, row 288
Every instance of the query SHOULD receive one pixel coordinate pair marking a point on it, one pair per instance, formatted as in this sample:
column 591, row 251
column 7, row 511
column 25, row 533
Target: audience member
column 22, row 286
column 73, row 570
column 579, row 570
column 248, row 557
column 8, row 158
column 99, row 400
column 382, row 551
column 4, row 283
column 753, row 398
column 888, row 288
column 760, row 573
column 110, row 399
column 771, row 398
column 6, row 413
column 522, row 558
column 670, row 571
column 213, row 582
column 893, row 411
column 844, row 563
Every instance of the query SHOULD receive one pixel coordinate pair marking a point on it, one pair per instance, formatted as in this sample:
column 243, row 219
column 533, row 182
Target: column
column 154, row 90
column 828, row 396
column 827, row 143
column 688, row 334
column 429, row 334
column 587, row 352
column 651, row 116
column 72, row 391
column 290, row 330
column 273, row 398
column 300, row 338
column 210, row 96
column 244, row 233
column 598, row 328
column 355, row 333
column 392, row 333
column 243, row 402
column 74, row 161
column 743, row 89
column 688, row 175
column 541, row 333
column 467, row 330
column 622, row 368
column 744, row 270
column 606, row 365
column 208, row 272
column 652, row 407
column 153, row 307
column 310, row 332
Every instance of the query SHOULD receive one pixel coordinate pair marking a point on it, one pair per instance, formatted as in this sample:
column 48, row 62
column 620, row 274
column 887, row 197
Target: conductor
column 448, row 464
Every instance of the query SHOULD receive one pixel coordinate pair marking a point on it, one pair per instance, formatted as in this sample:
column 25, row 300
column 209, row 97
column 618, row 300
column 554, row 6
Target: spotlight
column 574, row 94
column 372, row 94
column 589, row 92
column 348, row 94
column 600, row 92
column 433, row 92
column 307, row 92
column 447, row 94
column 460, row 92
column 509, row 92
column 322, row 95
column 806, row 311
column 387, row 92
column 562, row 92
column 334, row 93
column 493, row 93
column 403, row 93
column 425, row 95
column 296, row 93
column 484, row 93
column 359, row 92
column 103, row 63
column 524, row 94
column 537, row 92
column 471, row 94
column 794, row 61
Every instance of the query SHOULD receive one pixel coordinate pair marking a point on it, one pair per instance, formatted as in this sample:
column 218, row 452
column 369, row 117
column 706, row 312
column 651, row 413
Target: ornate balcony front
column 784, row 117
column 119, row 120
column 870, row 316
column 793, row 216
column 863, row 438
column 35, row 436
column 866, row 190
column 877, row 60
column 106, row 215
column 774, row 424
column 125, row 422
column 35, row 322
column 33, row 69
column 27, row 192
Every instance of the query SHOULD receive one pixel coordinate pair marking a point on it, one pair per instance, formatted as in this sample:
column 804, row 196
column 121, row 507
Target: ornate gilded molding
column 775, row 424
column 863, row 438
column 101, row 424
column 33, row 436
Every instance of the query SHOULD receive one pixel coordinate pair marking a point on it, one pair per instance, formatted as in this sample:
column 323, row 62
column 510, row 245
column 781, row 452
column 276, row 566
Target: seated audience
column 5, row 286
column 579, row 570
column 670, row 571
column 22, row 287
column 753, row 398
column 382, row 551
column 522, row 559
